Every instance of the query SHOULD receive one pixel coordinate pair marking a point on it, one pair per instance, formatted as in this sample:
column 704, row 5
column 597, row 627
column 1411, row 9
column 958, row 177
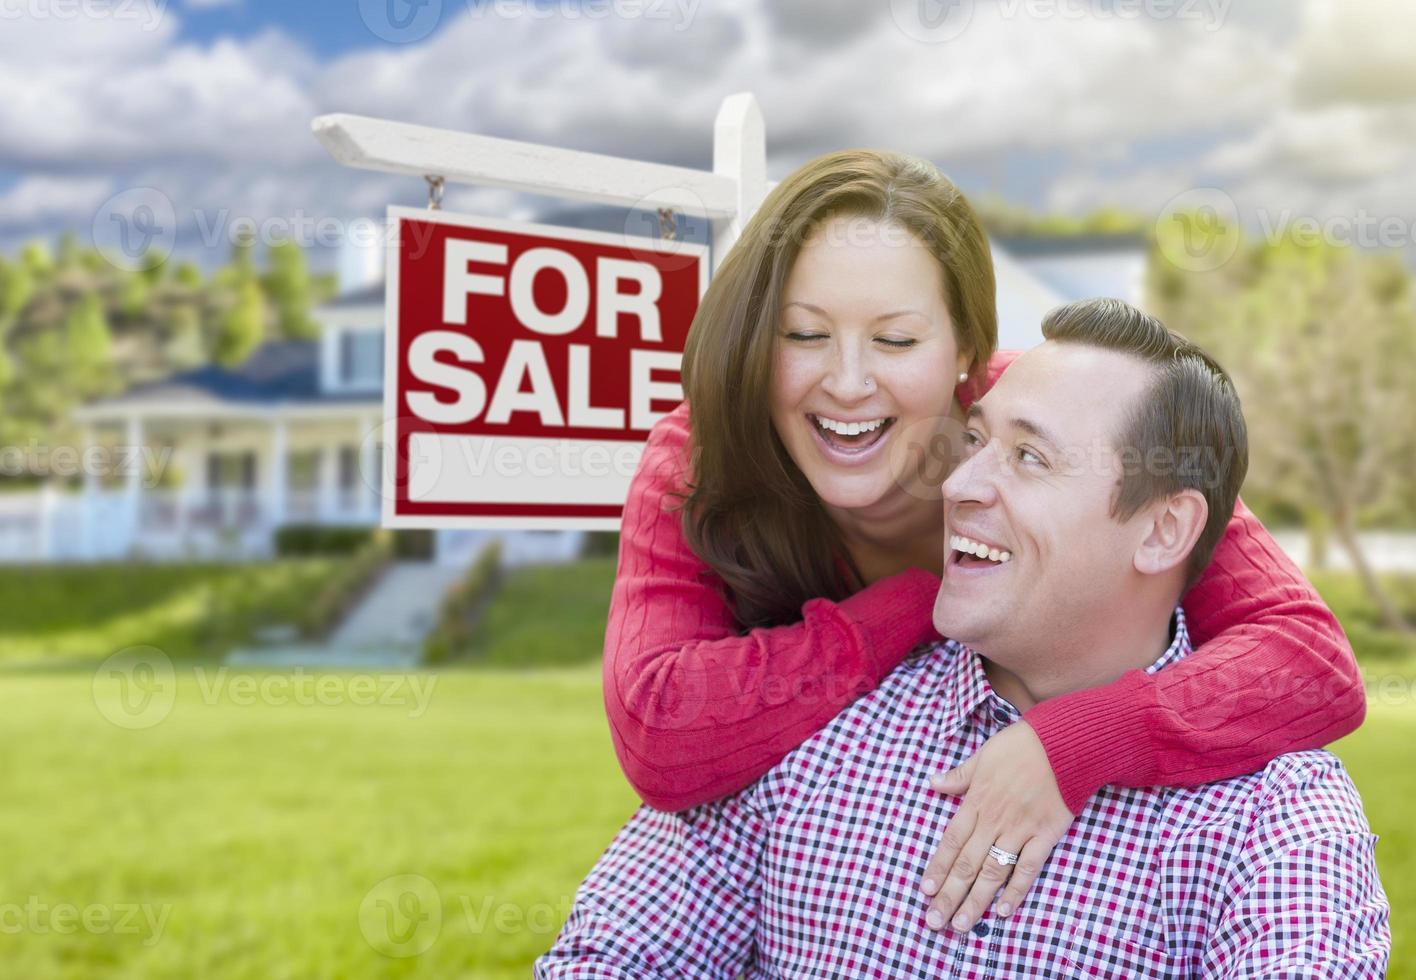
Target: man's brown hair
column 1186, row 432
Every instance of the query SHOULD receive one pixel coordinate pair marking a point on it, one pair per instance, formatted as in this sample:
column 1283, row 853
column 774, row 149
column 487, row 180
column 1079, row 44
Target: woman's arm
column 698, row 711
column 1272, row 672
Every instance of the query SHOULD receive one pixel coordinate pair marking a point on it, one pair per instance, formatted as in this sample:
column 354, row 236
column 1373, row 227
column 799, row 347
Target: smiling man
column 1101, row 470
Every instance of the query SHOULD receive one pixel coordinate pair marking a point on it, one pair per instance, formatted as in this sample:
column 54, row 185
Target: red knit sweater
column 699, row 710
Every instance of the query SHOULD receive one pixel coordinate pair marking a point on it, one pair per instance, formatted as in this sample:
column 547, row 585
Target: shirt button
column 1001, row 714
column 980, row 929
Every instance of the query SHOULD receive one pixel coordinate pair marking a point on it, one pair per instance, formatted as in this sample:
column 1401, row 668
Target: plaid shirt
column 814, row 870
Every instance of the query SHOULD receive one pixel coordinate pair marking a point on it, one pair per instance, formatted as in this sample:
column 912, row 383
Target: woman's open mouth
column 849, row 442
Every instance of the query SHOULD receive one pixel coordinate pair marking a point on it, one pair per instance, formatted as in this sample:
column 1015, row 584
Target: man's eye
column 972, row 439
column 1026, row 455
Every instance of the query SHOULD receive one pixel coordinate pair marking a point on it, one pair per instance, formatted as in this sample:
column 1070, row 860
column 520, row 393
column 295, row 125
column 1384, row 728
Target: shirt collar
column 971, row 687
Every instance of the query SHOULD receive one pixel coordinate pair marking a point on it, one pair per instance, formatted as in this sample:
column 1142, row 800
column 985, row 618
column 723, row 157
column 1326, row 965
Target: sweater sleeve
column 1273, row 672
column 698, row 710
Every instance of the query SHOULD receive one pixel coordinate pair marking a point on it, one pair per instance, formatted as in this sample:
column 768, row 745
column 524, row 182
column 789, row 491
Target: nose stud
column 869, row 382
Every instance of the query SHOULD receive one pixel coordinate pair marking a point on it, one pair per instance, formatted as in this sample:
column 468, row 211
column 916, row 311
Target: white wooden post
column 328, row 482
column 277, row 472
column 740, row 154
column 727, row 195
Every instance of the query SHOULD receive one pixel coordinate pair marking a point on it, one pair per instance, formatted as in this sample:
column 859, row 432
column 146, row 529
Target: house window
column 231, row 471
column 361, row 357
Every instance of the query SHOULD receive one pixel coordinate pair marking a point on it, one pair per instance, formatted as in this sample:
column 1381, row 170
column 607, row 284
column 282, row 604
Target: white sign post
column 480, row 309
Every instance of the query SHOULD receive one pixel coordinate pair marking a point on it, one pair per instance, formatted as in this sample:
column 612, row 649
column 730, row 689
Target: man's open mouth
column 971, row 553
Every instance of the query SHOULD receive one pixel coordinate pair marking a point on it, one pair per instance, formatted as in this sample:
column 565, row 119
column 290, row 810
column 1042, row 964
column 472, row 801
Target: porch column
column 369, row 475
column 328, row 481
column 134, row 490
column 277, row 472
column 87, row 541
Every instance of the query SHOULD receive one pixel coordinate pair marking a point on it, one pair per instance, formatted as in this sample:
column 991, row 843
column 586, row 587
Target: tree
column 1319, row 341
column 288, row 284
column 242, row 328
column 89, row 348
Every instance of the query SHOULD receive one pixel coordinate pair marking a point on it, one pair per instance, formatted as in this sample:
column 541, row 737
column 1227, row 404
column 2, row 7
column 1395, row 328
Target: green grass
column 86, row 612
column 265, row 824
column 546, row 616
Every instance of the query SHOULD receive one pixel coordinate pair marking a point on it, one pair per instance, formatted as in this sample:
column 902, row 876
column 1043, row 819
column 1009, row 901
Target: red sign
column 524, row 367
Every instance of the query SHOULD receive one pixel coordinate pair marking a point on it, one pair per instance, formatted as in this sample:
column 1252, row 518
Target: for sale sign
column 524, row 367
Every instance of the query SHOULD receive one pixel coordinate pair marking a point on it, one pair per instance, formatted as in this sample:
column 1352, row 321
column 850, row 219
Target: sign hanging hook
column 435, row 192
column 668, row 224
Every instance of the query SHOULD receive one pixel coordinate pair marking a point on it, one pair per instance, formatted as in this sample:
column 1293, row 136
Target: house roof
column 370, row 295
column 277, row 372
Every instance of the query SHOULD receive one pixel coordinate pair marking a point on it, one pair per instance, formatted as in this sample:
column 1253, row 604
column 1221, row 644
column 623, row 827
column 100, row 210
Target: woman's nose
column 848, row 379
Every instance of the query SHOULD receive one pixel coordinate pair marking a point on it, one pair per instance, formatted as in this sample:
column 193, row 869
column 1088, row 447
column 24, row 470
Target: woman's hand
column 1011, row 800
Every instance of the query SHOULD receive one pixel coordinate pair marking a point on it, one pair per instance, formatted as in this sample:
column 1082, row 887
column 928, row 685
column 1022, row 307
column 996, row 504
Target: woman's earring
column 963, row 376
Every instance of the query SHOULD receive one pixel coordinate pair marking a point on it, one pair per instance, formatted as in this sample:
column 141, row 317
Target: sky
column 1289, row 109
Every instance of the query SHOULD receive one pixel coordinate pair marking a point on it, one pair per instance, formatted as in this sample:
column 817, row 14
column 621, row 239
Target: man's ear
column 1175, row 525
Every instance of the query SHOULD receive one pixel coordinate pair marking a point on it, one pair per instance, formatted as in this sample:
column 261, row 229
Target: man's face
column 1038, row 479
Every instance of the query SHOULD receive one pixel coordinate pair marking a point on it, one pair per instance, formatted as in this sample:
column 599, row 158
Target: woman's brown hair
column 750, row 512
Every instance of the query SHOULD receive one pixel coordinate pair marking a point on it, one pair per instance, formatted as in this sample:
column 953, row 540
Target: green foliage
column 242, row 328
column 16, row 287
column 461, row 607
column 341, row 592
column 320, row 539
column 56, row 353
column 516, row 630
column 288, row 286
column 86, row 612
column 89, row 347
column 1319, row 341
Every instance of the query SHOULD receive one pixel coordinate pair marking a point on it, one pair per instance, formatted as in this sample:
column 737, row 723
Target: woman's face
column 865, row 354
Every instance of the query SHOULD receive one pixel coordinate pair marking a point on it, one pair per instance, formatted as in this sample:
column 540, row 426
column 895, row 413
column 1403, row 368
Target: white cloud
column 1102, row 110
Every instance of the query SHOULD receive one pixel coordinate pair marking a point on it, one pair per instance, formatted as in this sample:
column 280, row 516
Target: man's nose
column 974, row 480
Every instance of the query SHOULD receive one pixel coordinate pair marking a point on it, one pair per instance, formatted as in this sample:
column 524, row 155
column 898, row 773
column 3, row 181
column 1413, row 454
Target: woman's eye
column 901, row 344
column 804, row 335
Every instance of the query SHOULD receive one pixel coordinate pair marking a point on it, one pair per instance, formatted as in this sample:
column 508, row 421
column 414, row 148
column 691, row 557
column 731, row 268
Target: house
column 294, row 434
